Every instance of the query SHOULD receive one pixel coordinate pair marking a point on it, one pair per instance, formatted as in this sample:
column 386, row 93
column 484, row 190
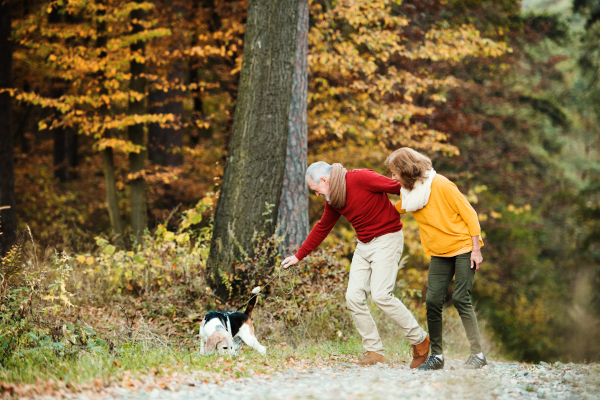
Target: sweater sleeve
column 319, row 232
column 462, row 207
column 375, row 182
column 399, row 207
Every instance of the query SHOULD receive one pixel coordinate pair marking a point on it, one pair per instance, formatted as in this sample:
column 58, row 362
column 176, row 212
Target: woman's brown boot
column 420, row 353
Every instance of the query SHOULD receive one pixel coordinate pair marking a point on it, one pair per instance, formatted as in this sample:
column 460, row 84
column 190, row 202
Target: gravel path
column 496, row 381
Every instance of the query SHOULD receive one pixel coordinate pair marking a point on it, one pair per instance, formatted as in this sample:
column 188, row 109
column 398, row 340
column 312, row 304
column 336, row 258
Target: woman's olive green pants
column 441, row 271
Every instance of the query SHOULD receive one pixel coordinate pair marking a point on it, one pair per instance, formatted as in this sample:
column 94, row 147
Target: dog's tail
column 252, row 301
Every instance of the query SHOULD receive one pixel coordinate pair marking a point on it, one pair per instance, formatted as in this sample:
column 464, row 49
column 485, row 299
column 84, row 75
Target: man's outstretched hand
column 288, row 262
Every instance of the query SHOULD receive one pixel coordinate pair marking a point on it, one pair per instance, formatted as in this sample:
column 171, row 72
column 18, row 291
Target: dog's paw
column 256, row 290
column 262, row 350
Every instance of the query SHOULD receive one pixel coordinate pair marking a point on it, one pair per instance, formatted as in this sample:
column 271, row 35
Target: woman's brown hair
column 409, row 164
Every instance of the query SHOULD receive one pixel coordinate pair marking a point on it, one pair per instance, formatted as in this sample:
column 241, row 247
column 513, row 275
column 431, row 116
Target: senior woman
column 451, row 235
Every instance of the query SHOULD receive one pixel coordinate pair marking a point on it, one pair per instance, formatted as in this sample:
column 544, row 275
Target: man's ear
column 325, row 179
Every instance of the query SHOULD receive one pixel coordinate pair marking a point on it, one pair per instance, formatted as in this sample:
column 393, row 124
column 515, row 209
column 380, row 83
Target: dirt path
column 496, row 381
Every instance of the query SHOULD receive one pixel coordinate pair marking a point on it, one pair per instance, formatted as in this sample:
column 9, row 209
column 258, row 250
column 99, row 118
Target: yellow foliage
column 358, row 91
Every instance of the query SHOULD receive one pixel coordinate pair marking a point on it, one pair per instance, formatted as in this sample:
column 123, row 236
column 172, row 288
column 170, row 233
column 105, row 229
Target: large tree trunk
column 256, row 156
column 137, row 200
column 8, row 216
column 110, row 181
column 292, row 220
column 163, row 141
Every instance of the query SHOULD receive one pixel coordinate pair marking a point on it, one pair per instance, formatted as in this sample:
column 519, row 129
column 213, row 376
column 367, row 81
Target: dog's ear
column 212, row 342
column 219, row 337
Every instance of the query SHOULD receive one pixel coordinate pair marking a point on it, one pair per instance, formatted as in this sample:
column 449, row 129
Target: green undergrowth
column 140, row 360
column 70, row 317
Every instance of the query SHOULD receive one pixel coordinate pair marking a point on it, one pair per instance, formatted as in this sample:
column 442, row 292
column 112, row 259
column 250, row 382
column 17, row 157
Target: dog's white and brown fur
column 226, row 330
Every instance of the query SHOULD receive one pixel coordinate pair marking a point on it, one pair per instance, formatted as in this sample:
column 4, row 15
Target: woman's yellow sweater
column 447, row 222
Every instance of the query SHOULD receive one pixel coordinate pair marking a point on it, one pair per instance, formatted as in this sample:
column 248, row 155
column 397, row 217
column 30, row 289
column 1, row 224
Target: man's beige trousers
column 374, row 268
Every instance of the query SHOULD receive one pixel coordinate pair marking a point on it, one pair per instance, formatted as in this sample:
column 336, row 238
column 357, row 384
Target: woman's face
column 396, row 177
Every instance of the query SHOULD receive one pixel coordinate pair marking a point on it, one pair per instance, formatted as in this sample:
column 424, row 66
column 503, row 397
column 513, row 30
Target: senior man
column 361, row 196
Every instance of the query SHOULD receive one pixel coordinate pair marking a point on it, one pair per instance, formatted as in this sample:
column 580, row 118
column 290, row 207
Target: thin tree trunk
column 8, row 216
column 163, row 141
column 165, row 144
column 256, row 156
column 136, row 134
column 292, row 220
column 64, row 153
column 214, row 24
column 112, row 200
column 64, row 139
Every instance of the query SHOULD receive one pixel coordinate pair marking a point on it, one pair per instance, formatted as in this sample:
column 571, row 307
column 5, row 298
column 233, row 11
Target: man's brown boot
column 420, row 353
column 371, row 358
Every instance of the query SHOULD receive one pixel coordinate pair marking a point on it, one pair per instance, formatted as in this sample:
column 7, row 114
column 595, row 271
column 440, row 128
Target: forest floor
column 499, row 380
column 333, row 379
column 144, row 369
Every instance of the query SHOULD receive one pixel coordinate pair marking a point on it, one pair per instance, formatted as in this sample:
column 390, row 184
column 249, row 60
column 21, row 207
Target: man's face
column 322, row 188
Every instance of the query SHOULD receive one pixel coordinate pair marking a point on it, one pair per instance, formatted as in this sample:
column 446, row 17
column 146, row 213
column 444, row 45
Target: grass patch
column 138, row 365
column 138, row 359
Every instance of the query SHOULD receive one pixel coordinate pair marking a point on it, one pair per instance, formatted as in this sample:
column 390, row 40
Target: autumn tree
column 107, row 85
column 108, row 161
column 64, row 138
column 249, row 199
column 135, row 132
column 8, row 219
column 165, row 143
column 366, row 76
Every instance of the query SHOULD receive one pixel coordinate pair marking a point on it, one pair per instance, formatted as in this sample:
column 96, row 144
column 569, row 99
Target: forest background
column 122, row 115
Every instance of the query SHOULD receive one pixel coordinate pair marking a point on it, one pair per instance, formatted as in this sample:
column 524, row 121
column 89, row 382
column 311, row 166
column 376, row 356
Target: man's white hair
column 318, row 170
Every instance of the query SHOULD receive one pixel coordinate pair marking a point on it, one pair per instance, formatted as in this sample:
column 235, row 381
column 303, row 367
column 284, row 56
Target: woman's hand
column 476, row 257
column 288, row 262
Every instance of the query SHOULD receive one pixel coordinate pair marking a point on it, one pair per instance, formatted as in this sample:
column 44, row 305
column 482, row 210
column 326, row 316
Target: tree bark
column 255, row 163
column 8, row 216
column 292, row 220
column 137, row 200
column 112, row 200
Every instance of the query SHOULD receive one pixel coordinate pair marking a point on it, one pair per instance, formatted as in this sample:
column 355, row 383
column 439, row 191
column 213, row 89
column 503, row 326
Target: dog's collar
column 227, row 326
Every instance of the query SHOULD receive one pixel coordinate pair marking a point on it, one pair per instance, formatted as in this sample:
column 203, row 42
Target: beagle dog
column 226, row 330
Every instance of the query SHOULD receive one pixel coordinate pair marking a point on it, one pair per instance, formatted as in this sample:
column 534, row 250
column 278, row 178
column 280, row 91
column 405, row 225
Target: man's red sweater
column 368, row 209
